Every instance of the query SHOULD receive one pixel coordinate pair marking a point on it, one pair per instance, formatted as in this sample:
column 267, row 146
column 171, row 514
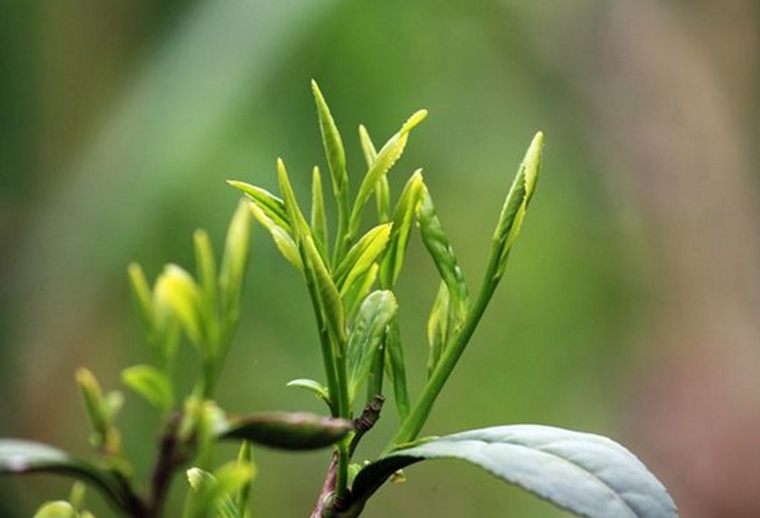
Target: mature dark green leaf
column 586, row 474
column 287, row 431
column 18, row 456
column 367, row 333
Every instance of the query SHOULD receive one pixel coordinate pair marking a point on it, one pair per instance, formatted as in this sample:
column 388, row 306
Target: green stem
column 341, row 487
column 412, row 425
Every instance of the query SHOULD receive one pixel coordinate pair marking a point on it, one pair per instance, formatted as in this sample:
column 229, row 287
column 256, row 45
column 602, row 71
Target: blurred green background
column 631, row 303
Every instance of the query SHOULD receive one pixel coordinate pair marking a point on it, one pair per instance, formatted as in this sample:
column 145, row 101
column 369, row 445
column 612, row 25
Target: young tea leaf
column 586, row 474
column 359, row 291
column 396, row 367
column 318, row 218
column 332, row 143
column 143, row 300
column 382, row 189
column 362, row 256
column 270, row 204
column 206, row 271
column 236, row 247
column 367, row 334
column 438, row 327
column 386, row 157
column 329, row 297
column 437, row 243
column 315, row 387
column 57, row 509
column 282, row 239
column 403, row 216
column 151, row 383
column 178, row 294
column 287, row 431
column 295, row 216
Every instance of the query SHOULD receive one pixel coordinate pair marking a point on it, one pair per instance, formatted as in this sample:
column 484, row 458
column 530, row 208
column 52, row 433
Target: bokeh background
column 632, row 302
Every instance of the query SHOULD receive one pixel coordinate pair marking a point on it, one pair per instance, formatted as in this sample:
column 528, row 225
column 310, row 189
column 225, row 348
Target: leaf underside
column 586, row 474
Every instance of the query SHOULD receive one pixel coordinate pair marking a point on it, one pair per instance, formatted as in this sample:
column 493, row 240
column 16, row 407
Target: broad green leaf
column 386, row 157
column 382, row 189
column 178, row 294
column 57, row 509
column 329, row 297
column 18, row 456
column 397, row 368
column 295, row 215
column 586, row 474
column 151, row 383
column 282, row 239
column 362, row 256
column 367, row 334
column 141, row 295
column 332, row 143
column 403, row 216
column 315, row 387
column 287, row 431
column 437, row 243
column 516, row 204
column 438, row 327
column 270, row 204
column 236, row 248
column 318, row 218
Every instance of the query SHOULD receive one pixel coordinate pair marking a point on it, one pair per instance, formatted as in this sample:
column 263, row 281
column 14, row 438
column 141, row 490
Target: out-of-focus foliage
column 635, row 307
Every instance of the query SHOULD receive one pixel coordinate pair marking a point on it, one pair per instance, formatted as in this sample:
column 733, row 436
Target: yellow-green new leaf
column 272, row 205
column 438, row 327
column 206, row 271
column 360, row 290
column 396, row 367
column 141, row 295
column 403, row 216
column 332, row 143
column 151, row 383
column 329, row 297
column 178, row 294
column 92, row 395
column 236, row 248
column 516, row 204
column 282, row 239
column 382, row 189
column 361, row 256
column 386, row 157
column 367, row 334
column 315, row 387
column 56, row 509
column 297, row 220
column 318, row 218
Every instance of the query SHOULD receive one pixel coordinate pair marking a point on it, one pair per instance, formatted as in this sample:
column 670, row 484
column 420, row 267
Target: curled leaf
column 287, row 431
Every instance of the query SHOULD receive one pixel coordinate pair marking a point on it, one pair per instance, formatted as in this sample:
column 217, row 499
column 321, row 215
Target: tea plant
column 350, row 280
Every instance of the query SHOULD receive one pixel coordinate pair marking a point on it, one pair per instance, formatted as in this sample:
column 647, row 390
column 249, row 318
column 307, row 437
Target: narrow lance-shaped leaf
column 288, row 431
column 297, row 220
column 359, row 291
column 245, row 458
column 318, row 218
column 516, row 204
column 19, row 456
column 101, row 410
column 586, row 474
column 403, row 216
column 397, row 368
column 282, row 239
column 141, row 295
column 382, row 189
column 437, row 243
column 333, row 145
column 362, row 256
column 438, row 327
column 386, row 157
column 367, row 334
column 207, row 276
column 237, row 245
column 329, row 297
column 151, row 383
column 270, row 204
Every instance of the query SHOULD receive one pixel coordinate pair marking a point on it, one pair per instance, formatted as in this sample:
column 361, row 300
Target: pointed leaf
column 282, row 239
column 287, row 431
column 386, row 157
column 57, row 509
column 397, row 368
column 332, row 143
column 437, row 243
column 329, row 298
column 206, row 270
column 270, row 204
column 438, row 327
column 236, row 248
column 318, row 218
column 359, row 291
column 143, row 300
column 367, row 334
column 151, row 383
column 382, row 189
column 516, row 204
column 177, row 293
column 295, row 215
column 403, row 216
column 361, row 256
column 586, row 474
